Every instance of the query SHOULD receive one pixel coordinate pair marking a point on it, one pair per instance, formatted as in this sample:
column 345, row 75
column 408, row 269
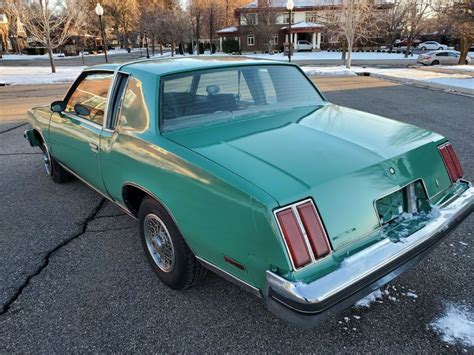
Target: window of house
column 274, row 39
column 311, row 17
column 250, row 19
column 287, row 18
column 250, row 40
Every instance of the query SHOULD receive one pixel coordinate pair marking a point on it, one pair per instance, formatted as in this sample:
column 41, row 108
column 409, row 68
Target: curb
column 423, row 84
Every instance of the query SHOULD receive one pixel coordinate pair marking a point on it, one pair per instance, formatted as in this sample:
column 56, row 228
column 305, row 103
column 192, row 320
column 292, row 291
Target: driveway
column 73, row 276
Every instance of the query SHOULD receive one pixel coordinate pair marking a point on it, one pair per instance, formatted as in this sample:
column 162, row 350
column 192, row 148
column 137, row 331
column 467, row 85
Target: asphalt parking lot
column 74, row 277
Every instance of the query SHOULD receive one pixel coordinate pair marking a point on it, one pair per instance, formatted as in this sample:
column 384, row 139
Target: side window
column 442, row 54
column 89, row 98
column 134, row 113
column 452, row 54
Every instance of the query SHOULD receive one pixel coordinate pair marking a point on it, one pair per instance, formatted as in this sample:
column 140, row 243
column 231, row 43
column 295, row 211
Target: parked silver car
column 432, row 45
column 440, row 57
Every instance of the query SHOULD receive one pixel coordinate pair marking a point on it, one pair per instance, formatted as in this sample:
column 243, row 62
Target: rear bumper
column 306, row 304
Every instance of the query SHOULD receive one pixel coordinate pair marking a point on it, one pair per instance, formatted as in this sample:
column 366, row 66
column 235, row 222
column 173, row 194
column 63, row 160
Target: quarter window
column 89, row 98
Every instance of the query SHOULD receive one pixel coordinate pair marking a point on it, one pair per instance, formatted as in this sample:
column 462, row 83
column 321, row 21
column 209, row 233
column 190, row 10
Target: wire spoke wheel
column 158, row 241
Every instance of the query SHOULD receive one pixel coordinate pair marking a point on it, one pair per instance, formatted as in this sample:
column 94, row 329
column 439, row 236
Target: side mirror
column 58, row 106
column 82, row 110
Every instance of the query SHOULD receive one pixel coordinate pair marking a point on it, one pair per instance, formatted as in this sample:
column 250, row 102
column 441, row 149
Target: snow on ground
column 58, row 55
column 324, row 55
column 469, row 68
column 456, row 325
column 463, row 83
column 328, row 71
column 37, row 75
column 369, row 299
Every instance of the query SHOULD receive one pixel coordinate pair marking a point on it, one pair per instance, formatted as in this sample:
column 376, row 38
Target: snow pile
column 467, row 83
column 37, row 75
column 328, row 71
column 324, row 55
column 369, row 299
column 456, row 325
column 468, row 68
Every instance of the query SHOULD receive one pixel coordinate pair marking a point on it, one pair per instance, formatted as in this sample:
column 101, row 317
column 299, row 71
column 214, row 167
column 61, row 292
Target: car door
column 75, row 132
column 442, row 58
column 453, row 58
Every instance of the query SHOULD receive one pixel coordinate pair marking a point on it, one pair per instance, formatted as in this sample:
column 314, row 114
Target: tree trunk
column 51, row 58
column 173, row 45
column 407, row 51
column 349, row 56
column 161, row 48
column 464, row 49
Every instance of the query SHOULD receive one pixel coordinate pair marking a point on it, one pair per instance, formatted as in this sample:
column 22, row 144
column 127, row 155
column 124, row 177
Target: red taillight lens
column 294, row 237
column 304, row 233
column 451, row 161
column 314, row 229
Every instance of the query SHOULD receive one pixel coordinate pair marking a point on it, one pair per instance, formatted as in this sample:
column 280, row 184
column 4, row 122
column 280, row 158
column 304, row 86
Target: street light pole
column 290, row 5
column 99, row 10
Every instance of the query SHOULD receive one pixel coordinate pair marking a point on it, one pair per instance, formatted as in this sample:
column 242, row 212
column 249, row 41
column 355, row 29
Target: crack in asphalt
column 112, row 215
column 6, row 307
column 110, row 229
column 13, row 128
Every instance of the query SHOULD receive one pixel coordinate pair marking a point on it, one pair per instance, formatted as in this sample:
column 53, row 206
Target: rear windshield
column 220, row 95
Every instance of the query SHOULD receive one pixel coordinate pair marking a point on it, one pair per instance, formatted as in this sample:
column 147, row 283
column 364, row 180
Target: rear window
column 220, row 95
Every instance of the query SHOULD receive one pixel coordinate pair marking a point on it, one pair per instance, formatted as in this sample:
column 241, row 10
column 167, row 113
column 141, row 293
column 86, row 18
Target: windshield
column 220, row 95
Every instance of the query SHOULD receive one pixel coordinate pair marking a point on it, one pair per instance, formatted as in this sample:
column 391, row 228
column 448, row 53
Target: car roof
column 165, row 66
column 442, row 51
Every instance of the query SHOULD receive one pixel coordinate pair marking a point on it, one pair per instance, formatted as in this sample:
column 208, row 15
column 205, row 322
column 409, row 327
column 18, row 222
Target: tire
column 167, row 252
column 435, row 62
column 440, row 48
column 55, row 171
column 423, row 48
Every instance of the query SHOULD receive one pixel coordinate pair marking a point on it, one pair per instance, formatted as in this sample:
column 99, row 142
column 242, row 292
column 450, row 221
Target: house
column 263, row 25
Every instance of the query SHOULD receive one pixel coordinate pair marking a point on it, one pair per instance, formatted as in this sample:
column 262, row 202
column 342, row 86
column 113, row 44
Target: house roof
column 229, row 30
column 298, row 3
column 304, row 25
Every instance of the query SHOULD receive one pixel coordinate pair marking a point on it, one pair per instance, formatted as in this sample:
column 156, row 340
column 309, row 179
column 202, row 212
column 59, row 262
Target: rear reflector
column 314, row 229
column 451, row 161
column 294, row 238
column 303, row 232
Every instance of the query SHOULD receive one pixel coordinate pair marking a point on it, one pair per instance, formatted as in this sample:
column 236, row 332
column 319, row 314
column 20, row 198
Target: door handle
column 94, row 147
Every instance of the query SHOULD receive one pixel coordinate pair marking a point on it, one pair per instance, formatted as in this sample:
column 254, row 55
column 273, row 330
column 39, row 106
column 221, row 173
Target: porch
column 305, row 31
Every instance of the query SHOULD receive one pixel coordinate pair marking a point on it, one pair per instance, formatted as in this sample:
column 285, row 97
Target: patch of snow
column 463, row 243
column 328, row 71
column 369, row 299
column 357, row 317
column 456, row 325
column 37, row 75
column 467, row 83
column 469, row 68
column 393, row 299
column 411, row 294
column 324, row 55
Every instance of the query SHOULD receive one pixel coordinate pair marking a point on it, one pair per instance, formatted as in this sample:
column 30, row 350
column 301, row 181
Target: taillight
column 304, row 233
column 451, row 161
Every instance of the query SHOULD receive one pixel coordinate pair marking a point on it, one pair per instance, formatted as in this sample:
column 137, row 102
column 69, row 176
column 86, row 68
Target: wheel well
column 133, row 197
column 38, row 136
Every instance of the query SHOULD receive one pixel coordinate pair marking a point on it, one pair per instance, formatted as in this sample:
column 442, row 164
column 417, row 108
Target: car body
column 431, row 45
column 242, row 166
column 443, row 57
column 404, row 42
column 303, row 45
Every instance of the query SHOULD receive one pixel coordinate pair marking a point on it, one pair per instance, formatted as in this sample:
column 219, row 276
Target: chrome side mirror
column 58, row 106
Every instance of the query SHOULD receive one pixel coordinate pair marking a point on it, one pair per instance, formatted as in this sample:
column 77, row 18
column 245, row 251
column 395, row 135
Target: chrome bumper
column 305, row 304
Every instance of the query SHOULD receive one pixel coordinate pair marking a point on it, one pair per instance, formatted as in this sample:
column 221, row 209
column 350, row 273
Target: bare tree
column 416, row 21
column 263, row 23
column 458, row 17
column 355, row 22
column 49, row 23
column 393, row 21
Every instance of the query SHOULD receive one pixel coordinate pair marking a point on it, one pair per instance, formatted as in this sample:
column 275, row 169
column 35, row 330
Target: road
column 74, row 277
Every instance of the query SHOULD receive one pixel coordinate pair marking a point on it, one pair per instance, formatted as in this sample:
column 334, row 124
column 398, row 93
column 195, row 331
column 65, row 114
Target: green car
column 244, row 168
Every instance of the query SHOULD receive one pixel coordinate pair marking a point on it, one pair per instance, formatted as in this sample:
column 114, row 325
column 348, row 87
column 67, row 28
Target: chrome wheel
column 158, row 241
column 46, row 159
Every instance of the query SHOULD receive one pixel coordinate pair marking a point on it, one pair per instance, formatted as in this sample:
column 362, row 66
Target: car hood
column 336, row 155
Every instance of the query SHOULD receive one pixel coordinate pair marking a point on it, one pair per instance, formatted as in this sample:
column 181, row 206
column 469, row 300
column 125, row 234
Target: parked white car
column 304, row 46
column 440, row 57
column 432, row 45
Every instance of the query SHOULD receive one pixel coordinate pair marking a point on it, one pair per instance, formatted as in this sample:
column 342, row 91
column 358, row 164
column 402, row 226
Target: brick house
column 306, row 23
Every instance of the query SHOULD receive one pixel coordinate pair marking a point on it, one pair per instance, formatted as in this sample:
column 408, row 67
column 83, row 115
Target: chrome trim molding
column 229, row 277
column 294, row 206
column 377, row 264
